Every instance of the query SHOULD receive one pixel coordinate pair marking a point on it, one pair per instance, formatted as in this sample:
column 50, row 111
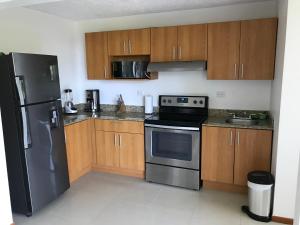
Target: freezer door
column 36, row 77
column 45, row 153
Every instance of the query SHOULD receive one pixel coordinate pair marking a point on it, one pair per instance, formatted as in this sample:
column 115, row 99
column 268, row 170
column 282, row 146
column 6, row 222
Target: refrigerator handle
column 26, row 131
column 21, row 89
column 54, row 118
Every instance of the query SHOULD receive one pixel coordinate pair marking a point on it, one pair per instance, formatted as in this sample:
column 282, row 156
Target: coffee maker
column 92, row 100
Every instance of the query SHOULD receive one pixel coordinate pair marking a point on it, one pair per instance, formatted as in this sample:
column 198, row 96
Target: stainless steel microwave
column 130, row 69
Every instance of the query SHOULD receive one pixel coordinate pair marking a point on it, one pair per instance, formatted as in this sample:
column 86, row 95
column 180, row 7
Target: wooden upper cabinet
column 218, row 154
column 97, row 56
column 163, row 44
column 192, row 42
column 223, row 50
column 258, row 46
column 139, row 42
column 118, row 43
column 129, row 42
column 252, row 152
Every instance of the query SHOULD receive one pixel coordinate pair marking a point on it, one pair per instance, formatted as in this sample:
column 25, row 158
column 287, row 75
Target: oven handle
column 172, row 127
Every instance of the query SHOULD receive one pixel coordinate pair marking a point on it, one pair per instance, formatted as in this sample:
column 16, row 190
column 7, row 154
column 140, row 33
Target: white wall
column 277, row 83
column 6, row 215
column 238, row 94
column 25, row 30
column 288, row 137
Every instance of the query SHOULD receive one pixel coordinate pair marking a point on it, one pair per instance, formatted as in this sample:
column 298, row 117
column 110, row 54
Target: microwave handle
column 134, row 68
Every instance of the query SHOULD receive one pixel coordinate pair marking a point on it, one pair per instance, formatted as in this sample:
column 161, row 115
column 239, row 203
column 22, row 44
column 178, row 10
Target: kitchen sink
column 241, row 121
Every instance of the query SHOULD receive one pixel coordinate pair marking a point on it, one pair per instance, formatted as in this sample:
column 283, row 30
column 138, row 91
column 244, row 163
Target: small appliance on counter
column 92, row 100
column 130, row 69
column 69, row 107
column 148, row 104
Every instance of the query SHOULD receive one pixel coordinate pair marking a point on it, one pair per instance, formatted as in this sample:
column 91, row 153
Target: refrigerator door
column 36, row 76
column 45, row 153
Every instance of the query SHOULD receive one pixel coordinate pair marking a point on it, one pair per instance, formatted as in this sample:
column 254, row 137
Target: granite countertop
column 221, row 122
column 81, row 116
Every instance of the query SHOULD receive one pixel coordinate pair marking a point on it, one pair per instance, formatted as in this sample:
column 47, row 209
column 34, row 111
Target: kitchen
column 225, row 96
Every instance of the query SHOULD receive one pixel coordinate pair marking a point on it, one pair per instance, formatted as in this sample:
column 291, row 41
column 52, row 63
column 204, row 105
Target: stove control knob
column 169, row 101
column 201, row 102
column 195, row 101
column 164, row 101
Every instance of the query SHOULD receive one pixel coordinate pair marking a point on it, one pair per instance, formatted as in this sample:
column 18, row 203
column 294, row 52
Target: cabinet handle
column 179, row 52
column 238, row 137
column 242, row 72
column 105, row 73
column 124, row 46
column 129, row 46
column 235, row 70
column 174, row 52
column 115, row 140
column 120, row 140
column 231, row 137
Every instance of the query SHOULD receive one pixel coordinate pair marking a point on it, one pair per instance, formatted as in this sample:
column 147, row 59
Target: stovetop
column 176, row 120
column 183, row 111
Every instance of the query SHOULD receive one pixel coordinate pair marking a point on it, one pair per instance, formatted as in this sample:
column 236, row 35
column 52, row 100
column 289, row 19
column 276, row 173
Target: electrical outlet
column 220, row 94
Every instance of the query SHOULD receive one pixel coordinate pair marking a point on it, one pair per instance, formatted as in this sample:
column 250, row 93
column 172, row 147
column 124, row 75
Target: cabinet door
column 118, row 43
column 252, row 152
column 107, row 152
column 132, row 151
column 223, row 50
column 79, row 149
column 192, row 42
column 96, row 56
column 218, row 154
column 258, row 46
column 139, row 42
column 163, row 44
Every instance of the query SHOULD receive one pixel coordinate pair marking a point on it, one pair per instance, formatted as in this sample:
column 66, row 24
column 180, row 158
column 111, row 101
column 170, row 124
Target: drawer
column 123, row 126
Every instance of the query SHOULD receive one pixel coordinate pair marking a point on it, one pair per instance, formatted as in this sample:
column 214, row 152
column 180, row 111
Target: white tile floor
column 114, row 200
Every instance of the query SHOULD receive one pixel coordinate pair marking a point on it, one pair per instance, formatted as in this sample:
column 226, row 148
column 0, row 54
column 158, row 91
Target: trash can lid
column 261, row 177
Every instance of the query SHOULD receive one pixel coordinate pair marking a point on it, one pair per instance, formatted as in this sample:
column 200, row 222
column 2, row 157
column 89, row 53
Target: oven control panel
column 184, row 101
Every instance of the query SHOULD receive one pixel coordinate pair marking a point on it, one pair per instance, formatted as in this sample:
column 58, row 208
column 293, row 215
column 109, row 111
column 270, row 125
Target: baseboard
column 125, row 172
column 283, row 220
column 225, row 187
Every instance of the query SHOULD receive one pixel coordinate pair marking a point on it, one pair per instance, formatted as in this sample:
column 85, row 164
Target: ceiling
column 93, row 9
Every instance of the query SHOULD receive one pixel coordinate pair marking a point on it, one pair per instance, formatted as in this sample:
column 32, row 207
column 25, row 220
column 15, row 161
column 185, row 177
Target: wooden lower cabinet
column 252, row 152
column 107, row 152
column 120, row 152
column 217, row 154
column 131, row 148
column 79, row 148
column 229, row 154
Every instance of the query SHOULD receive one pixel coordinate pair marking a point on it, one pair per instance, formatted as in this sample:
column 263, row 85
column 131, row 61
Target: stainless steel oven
column 173, row 146
column 173, row 141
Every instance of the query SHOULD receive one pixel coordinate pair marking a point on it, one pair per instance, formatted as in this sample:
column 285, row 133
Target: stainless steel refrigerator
column 33, row 130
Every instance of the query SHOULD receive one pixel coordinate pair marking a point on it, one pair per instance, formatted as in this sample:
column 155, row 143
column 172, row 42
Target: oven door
column 173, row 146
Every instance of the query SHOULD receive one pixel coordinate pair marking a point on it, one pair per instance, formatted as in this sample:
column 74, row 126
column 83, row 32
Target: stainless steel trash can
column 260, row 196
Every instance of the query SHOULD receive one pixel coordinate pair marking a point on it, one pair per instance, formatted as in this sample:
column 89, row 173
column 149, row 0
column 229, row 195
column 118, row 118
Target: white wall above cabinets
column 223, row 94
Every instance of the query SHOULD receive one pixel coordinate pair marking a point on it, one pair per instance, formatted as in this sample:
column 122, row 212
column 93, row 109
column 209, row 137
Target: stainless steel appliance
column 130, row 69
column 173, row 141
column 33, row 130
column 69, row 107
column 92, row 101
